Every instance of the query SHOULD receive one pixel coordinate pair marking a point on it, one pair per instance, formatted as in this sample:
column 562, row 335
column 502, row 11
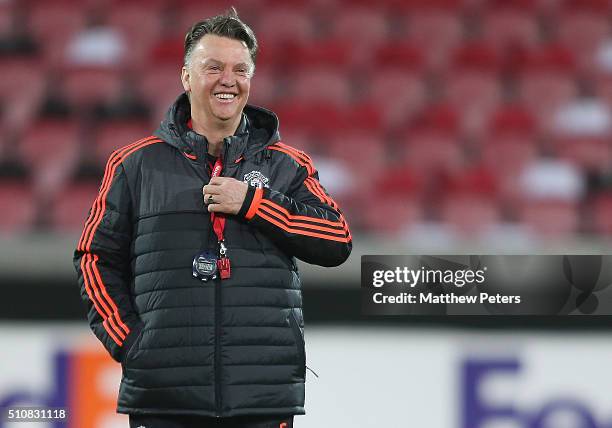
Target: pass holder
column 205, row 266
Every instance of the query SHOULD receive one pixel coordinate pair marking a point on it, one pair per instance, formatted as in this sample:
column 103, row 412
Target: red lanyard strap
column 218, row 220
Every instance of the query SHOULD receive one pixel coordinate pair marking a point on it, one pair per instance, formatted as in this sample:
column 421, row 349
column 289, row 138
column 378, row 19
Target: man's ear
column 185, row 79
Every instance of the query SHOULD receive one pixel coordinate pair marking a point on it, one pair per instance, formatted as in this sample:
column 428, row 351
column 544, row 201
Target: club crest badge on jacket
column 256, row 179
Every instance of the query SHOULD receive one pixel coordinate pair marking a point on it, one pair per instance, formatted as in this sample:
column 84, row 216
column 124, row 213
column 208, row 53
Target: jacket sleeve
column 102, row 262
column 306, row 222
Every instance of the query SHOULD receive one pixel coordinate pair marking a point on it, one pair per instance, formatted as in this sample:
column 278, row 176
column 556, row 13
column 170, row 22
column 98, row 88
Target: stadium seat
column 602, row 214
column 441, row 119
column 19, row 74
column 469, row 214
column 322, row 118
column 71, row 205
column 590, row 154
column 401, row 213
column 507, row 155
column 582, row 32
column 321, row 85
column 512, row 119
column 436, row 31
column 20, row 210
column 398, row 94
column 265, row 87
column 160, row 89
column 431, row 150
column 474, row 94
column 49, row 141
column 87, row 86
column 138, row 22
column 332, row 53
column 547, row 83
column 116, row 134
column 399, row 54
column 550, row 219
column 365, row 151
column 509, row 26
column 55, row 23
column 285, row 23
column 22, row 83
column 369, row 22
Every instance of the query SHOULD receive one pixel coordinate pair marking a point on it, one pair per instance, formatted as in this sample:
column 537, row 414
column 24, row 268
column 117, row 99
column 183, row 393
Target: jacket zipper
column 218, row 346
column 218, row 316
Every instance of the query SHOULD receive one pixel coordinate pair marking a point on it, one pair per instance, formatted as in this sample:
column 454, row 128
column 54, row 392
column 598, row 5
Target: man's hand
column 224, row 195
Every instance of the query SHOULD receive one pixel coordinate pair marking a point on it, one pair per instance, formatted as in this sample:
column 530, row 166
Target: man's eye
column 214, row 68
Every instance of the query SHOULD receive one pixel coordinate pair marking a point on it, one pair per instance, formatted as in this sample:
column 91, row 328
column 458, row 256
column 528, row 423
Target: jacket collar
column 258, row 128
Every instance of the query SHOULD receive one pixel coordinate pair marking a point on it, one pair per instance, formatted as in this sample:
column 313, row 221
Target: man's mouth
column 225, row 96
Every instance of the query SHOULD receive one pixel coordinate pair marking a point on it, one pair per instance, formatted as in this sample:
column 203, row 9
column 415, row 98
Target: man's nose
column 227, row 78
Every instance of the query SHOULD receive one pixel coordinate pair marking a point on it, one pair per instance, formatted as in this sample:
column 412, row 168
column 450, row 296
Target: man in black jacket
column 187, row 258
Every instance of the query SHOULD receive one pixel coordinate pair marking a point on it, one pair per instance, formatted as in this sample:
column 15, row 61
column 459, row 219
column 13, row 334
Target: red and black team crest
column 256, row 179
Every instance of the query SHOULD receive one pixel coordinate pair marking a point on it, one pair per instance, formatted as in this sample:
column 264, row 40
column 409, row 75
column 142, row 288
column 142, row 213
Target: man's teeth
column 225, row 96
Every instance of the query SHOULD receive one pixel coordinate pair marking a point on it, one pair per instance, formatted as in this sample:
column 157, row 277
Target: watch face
column 205, row 266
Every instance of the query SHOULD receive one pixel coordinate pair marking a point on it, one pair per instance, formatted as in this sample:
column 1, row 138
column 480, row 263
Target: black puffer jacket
column 226, row 347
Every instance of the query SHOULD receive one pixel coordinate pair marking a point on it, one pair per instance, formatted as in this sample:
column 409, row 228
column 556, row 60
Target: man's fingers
column 216, row 198
column 211, row 189
column 217, row 208
column 218, row 180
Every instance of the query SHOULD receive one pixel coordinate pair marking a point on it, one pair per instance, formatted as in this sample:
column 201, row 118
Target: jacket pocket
column 299, row 342
column 132, row 345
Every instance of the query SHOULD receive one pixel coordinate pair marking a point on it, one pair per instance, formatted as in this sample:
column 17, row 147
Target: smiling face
column 217, row 78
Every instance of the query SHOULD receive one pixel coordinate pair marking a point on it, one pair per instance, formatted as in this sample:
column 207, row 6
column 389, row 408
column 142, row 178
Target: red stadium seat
column 88, row 86
column 436, row 31
column 443, row 118
column 364, row 151
column 506, row 155
column 550, row 219
column 331, row 53
column 116, row 134
column 544, row 93
column 48, row 141
column 582, row 32
column 475, row 94
column 475, row 56
column 71, row 206
column 548, row 82
column 510, row 26
column 400, row 54
column 265, row 89
column 285, row 23
column 430, row 151
column 321, row 118
column 602, row 214
column 161, row 88
column 369, row 22
column 397, row 93
column 20, row 198
column 19, row 74
column 590, row 154
column 138, row 22
column 321, row 86
column 22, row 84
column 401, row 213
column 55, row 23
column 512, row 119
column 469, row 214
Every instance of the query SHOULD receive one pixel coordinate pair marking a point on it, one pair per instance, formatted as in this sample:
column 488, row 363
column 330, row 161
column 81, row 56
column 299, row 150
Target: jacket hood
column 257, row 130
